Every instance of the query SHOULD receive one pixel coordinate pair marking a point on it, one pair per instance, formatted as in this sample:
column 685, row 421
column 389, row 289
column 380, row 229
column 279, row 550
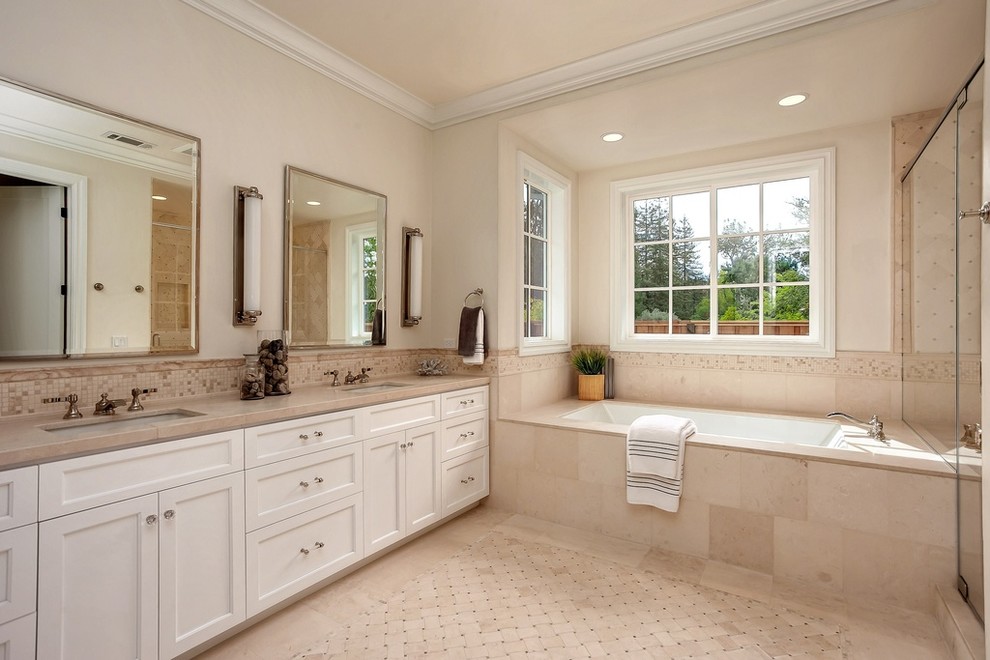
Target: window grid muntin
column 762, row 284
column 531, row 291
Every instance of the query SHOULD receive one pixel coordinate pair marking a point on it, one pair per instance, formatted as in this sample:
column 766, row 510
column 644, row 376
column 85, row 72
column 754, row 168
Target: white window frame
column 557, row 306
column 819, row 166
column 355, row 266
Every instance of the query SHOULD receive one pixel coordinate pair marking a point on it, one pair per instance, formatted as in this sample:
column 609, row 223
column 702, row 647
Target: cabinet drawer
column 297, row 437
column 463, row 435
column 18, row 497
column 298, row 552
column 399, row 415
column 18, row 572
column 465, row 480
column 17, row 638
column 465, row 402
column 81, row 483
column 289, row 487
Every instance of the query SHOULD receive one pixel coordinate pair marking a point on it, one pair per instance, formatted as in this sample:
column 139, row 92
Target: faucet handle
column 135, row 400
column 73, row 411
column 333, row 373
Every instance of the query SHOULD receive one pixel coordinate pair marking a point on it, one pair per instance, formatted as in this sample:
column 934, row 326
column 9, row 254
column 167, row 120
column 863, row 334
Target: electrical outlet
column 449, row 343
column 118, row 341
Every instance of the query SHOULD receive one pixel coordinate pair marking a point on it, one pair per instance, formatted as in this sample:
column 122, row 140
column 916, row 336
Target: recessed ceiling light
column 612, row 137
column 313, row 202
column 793, row 99
column 160, row 198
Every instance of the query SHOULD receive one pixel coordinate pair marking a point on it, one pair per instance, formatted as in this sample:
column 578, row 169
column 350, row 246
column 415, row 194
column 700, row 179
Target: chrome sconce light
column 412, row 276
column 247, row 255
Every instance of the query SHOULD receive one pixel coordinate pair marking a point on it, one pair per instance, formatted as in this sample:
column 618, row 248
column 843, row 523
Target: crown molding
column 263, row 26
column 764, row 19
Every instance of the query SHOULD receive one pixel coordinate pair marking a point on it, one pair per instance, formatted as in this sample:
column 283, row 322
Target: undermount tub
column 760, row 432
column 767, row 428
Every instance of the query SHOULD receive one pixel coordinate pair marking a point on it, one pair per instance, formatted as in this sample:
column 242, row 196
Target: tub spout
column 874, row 427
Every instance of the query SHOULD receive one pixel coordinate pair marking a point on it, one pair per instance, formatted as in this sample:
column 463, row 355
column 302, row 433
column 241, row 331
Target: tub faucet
column 874, row 427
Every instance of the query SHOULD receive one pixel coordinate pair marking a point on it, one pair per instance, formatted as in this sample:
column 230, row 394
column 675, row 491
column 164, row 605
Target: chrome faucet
column 874, row 427
column 350, row 378
column 333, row 373
column 364, row 377
column 105, row 406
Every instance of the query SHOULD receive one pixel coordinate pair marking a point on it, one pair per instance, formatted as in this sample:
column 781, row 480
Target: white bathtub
column 767, row 428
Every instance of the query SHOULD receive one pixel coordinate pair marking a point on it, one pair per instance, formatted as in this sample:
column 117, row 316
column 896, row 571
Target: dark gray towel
column 378, row 328
column 468, row 332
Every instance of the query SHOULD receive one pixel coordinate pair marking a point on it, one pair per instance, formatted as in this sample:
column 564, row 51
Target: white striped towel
column 655, row 445
column 655, row 491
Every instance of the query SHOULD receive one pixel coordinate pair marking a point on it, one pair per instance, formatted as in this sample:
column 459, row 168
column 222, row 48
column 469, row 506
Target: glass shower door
column 941, row 314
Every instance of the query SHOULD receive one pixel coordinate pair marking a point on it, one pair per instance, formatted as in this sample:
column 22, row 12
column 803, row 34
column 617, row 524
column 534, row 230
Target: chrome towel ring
column 476, row 292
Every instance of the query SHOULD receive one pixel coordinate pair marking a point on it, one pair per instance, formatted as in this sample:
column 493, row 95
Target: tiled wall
column 866, row 533
column 23, row 391
column 859, row 383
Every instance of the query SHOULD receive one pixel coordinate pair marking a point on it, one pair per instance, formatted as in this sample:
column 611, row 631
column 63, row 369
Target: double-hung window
column 731, row 259
column 544, row 229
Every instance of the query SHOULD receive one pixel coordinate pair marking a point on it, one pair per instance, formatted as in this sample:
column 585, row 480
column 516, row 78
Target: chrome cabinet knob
column 304, row 484
column 151, row 520
column 318, row 480
column 318, row 434
column 169, row 514
column 467, row 435
column 303, row 436
column 467, row 481
column 467, row 402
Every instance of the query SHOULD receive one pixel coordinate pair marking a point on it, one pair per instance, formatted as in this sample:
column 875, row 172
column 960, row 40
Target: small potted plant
column 590, row 365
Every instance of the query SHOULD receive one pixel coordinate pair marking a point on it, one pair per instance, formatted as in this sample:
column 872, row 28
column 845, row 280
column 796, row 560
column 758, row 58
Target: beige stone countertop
column 24, row 439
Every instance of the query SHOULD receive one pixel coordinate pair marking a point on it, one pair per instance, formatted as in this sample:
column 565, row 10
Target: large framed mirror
column 334, row 262
column 100, row 219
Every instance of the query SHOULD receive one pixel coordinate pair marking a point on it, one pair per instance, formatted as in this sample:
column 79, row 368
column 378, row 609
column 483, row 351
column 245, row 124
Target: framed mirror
column 334, row 262
column 100, row 218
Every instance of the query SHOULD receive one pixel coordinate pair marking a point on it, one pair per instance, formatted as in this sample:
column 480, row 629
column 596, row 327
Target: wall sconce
column 412, row 276
column 247, row 255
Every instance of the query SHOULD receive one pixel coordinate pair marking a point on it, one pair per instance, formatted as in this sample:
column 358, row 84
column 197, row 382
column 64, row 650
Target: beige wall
column 254, row 109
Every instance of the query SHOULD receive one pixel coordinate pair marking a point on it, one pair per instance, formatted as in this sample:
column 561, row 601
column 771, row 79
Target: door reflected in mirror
column 100, row 218
column 334, row 262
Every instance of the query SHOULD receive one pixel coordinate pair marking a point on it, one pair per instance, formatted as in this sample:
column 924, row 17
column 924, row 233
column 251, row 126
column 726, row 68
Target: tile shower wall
column 865, row 533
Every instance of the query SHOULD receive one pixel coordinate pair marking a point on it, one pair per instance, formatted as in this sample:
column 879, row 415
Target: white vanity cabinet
column 464, row 470
column 402, row 485
column 18, row 561
column 305, row 520
column 149, row 576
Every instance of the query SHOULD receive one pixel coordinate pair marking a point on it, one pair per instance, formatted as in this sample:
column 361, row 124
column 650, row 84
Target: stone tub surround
column 860, row 530
column 24, row 442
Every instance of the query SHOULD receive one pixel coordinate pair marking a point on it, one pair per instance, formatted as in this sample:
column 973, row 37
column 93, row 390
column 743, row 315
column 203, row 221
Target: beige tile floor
column 717, row 610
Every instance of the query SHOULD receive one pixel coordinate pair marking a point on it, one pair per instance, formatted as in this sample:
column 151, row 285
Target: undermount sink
column 367, row 389
column 119, row 422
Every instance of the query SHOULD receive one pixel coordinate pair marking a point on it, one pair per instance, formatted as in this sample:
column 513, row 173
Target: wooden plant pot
column 591, row 388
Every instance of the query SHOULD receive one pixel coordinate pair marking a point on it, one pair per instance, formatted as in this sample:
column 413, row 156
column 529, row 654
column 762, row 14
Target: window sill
column 545, row 347
column 727, row 346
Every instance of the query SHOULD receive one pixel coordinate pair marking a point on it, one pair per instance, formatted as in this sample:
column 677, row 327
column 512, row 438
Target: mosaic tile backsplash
column 25, row 391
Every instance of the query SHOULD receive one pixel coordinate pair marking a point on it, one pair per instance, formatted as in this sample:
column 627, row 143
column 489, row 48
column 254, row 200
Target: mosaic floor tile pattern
column 504, row 597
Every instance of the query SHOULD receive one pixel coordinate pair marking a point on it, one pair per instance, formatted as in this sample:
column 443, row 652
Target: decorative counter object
column 252, row 378
column 434, row 367
column 274, row 357
column 590, row 365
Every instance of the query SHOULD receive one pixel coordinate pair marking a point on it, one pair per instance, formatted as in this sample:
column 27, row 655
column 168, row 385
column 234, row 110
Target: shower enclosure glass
column 941, row 312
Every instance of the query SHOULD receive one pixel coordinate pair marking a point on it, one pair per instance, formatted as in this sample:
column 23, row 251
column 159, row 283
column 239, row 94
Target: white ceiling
column 679, row 75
